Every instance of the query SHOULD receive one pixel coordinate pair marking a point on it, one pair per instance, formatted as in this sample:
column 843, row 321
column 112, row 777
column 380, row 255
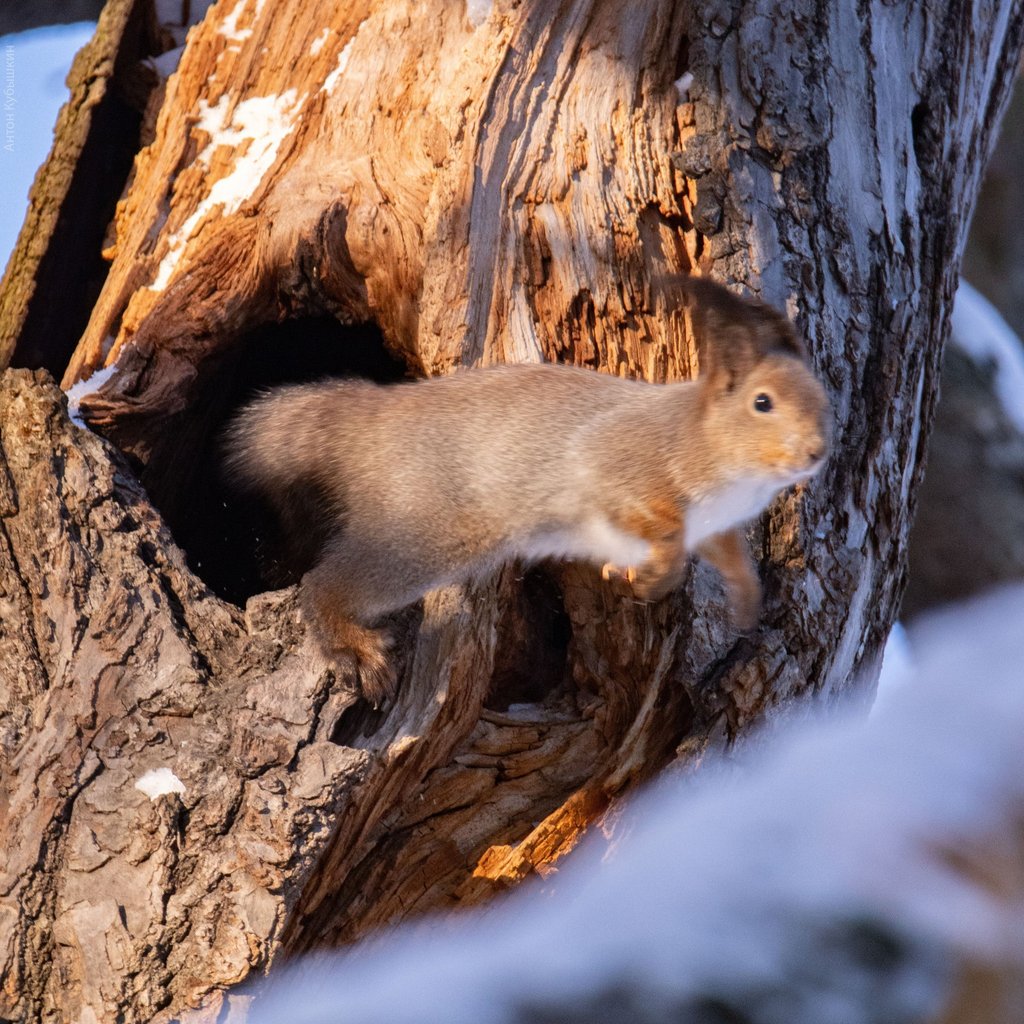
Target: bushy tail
column 278, row 448
column 275, row 442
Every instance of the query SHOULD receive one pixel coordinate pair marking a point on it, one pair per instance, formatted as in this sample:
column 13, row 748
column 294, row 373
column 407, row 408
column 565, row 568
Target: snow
column 261, row 124
column 35, row 64
column 982, row 334
column 318, row 43
column 339, row 69
column 478, row 11
column 229, row 27
column 88, row 386
column 159, row 782
column 754, row 887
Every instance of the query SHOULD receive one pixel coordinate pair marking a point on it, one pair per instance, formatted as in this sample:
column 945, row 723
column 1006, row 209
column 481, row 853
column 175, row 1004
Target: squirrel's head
column 762, row 409
column 774, row 420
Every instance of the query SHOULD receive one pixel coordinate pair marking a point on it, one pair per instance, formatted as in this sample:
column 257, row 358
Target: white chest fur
column 596, row 541
column 728, row 507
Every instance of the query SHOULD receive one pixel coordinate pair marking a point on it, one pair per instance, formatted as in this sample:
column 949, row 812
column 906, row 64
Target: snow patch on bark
column 318, row 43
column 88, row 386
column 983, row 335
column 229, row 27
column 159, row 782
column 478, row 11
column 259, row 124
column 331, row 81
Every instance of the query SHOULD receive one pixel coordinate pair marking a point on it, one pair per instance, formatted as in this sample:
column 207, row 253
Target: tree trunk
column 402, row 188
column 57, row 269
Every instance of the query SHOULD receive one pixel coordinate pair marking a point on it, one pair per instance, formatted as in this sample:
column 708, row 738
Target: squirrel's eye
column 763, row 402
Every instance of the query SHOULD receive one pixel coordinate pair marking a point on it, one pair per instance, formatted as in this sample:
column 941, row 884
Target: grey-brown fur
column 430, row 482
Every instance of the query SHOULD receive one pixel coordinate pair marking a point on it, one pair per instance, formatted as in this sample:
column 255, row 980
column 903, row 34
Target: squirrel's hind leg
column 340, row 636
column 350, row 586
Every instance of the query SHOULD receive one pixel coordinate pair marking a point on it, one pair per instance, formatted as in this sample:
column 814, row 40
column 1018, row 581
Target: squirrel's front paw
column 653, row 581
column 610, row 571
column 647, row 585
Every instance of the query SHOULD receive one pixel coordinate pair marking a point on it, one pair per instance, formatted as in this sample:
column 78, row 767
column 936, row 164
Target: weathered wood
column 56, row 270
column 506, row 189
column 117, row 661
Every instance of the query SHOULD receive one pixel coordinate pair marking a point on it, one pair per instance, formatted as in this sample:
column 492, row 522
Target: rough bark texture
column 968, row 533
column 505, row 190
column 56, row 271
column 118, row 660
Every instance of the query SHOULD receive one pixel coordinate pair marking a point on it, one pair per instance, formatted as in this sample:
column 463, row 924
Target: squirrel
column 435, row 481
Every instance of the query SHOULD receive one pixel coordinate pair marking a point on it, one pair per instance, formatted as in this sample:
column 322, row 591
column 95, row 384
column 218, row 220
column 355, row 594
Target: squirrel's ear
column 733, row 332
column 777, row 334
column 727, row 353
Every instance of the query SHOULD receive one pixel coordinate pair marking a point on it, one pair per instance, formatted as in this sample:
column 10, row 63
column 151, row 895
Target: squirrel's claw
column 611, row 571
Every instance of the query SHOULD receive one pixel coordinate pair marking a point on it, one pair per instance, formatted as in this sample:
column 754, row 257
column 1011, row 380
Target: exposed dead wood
column 56, row 270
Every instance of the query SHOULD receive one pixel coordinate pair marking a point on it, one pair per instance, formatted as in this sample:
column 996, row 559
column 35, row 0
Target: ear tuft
column 733, row 332
column 781, row 335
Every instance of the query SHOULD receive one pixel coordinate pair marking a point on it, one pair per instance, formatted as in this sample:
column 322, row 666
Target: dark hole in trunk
column 231, row 539
column 531, row 658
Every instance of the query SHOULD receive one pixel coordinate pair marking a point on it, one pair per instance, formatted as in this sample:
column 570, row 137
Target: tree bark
column 56, row 271
column 479, row 185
